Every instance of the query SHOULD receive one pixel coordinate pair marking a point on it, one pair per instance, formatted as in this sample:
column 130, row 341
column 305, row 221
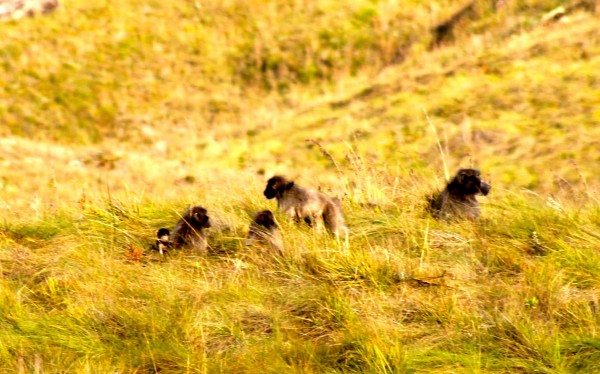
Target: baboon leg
column 344, row 234
column 308, row 221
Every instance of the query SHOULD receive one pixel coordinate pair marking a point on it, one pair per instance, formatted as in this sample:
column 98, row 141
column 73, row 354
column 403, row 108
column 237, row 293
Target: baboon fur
column 305, row 204
column 265, row 231
column 163, row 243
column 17, row 9
column 188, row 231
column 458, row 199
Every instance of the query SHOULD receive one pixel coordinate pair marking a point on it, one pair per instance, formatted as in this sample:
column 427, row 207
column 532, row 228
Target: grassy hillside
column 115, row 117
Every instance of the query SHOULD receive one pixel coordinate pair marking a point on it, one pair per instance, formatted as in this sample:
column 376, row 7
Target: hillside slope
column 116, row 120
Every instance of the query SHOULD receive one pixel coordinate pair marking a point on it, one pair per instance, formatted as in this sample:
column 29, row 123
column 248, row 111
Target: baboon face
column 469, row 182
column 276, row 186
column 163, row 234
column 198, row 217
column 265, row 218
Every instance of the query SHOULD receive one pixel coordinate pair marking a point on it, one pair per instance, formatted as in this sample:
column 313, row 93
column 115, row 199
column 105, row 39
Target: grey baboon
column 17, row 9
column 264, row 230
column 188, row 231
column 305, row 204
column 163, row 243
column 458, row 199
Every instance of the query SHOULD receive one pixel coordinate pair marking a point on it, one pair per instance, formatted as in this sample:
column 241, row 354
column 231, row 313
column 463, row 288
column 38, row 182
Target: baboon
column 188, row 231
column 305, row 204
column 264, row 230
column 17, row 9
column 163, row 243
column 458, row 199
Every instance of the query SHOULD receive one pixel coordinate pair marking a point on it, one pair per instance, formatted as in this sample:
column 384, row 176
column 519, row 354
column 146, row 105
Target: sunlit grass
column 518, row 293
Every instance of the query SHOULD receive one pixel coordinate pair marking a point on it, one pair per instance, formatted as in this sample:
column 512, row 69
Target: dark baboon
column 163, row 243
column 458, row 199
column 305, row 204
column 264, row 230
column 188, row 231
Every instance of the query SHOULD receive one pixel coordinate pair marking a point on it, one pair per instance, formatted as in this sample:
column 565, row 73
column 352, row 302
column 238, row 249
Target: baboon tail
column 332, row 217
column 434, row 203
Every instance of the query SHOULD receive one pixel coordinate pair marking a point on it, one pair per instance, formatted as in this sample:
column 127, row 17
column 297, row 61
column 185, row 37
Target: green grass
column 118, row 117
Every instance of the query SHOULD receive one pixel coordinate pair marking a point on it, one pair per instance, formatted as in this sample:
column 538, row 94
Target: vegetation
column 117, row 115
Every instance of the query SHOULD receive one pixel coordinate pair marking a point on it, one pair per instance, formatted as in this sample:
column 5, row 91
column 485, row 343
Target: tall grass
column 516, row 291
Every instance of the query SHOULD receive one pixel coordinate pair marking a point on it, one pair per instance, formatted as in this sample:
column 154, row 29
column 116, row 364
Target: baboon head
column 163, row 234
column 468, row 182
column 265, row 219
column 196, row 217
column 276, row 186
column 49, row 5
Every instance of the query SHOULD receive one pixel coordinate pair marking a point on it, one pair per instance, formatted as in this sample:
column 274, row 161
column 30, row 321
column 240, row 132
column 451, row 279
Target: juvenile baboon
column 305, row 204
column 458, row 199
column 264, row 230
column 163, row 243
column 188, row 231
